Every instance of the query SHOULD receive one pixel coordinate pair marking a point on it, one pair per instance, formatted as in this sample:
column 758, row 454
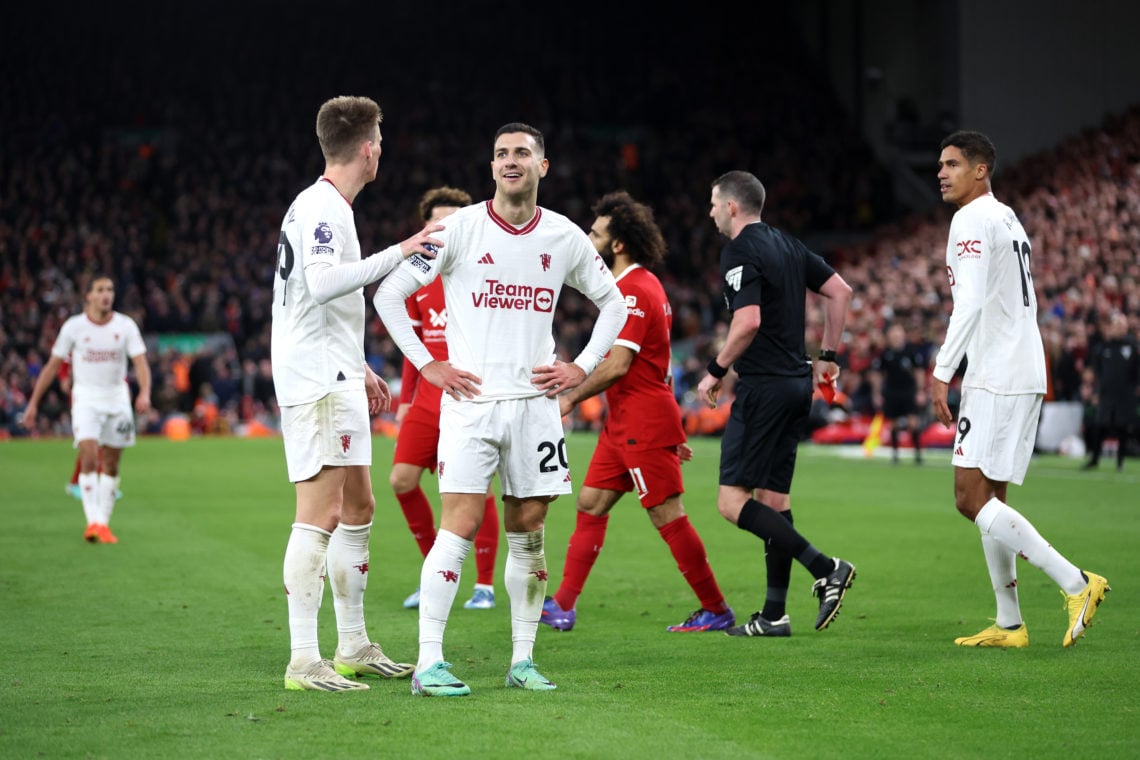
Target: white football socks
column 304, row 574
column 439, row 583
column 89, row 491
column 106, row 498
column 347, row 562
column 1002, row 564
column 1010, row 527
column 525, row 579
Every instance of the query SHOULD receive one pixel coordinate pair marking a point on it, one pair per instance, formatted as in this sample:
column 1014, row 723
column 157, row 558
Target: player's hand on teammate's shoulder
column 423, row 243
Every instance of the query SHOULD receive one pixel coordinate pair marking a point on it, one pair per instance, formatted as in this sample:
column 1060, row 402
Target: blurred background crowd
column 171, row 173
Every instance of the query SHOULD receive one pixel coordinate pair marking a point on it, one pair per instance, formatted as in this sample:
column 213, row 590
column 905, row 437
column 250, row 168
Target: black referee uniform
column 765, row 267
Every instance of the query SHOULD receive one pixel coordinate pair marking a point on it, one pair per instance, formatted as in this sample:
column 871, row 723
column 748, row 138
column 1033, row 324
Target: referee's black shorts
column 896, row 405
column 765, row 426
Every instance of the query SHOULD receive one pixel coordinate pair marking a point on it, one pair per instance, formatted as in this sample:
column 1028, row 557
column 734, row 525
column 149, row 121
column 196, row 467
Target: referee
column 766, row 275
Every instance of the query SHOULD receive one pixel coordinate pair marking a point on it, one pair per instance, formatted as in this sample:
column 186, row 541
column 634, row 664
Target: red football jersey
column 643, row 412
column 428, row 311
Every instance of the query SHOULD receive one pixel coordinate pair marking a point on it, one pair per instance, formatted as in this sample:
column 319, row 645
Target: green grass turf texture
column 173, row 643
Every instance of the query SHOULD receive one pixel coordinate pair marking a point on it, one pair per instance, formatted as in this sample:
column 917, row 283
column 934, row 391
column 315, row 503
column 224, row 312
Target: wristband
column 716, row 370
column 827, row 355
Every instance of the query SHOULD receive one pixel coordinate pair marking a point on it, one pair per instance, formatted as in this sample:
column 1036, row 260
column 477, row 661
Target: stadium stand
column 172, row 176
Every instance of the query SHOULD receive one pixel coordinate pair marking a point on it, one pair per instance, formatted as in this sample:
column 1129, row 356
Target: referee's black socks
column 767, row 524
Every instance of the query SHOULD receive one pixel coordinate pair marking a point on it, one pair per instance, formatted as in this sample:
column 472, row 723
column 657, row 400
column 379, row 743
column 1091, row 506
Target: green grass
column 173, row 643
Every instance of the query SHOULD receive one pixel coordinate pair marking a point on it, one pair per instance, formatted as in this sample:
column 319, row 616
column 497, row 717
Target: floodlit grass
column 173, row 643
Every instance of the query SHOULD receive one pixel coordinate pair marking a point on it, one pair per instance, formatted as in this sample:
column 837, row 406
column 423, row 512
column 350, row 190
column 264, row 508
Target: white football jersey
column 501, row 284
column 994, row 323
column 98, row 356
column 316, row 348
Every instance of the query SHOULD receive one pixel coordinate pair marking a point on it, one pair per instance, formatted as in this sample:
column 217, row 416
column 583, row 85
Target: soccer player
column 767, row 274
column 994, row 322
column 898, row 376
column 72, row 488
column 98, row 344
column 418, row 417
column 638, row 447
column 503, row 264
column 326, row 392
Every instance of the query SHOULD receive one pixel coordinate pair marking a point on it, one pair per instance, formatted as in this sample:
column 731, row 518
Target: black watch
column 828, row 355
column 716, row 370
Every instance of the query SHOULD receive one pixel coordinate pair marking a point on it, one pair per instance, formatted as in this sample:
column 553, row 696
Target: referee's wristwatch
column 716, row 370
column 828, row 355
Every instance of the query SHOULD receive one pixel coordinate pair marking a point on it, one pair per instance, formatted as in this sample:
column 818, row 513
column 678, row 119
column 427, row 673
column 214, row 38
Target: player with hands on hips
column 417, row 442
column 503, row 265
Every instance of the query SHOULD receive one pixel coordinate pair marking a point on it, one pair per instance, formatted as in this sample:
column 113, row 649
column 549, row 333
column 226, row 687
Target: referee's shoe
column 831, row 590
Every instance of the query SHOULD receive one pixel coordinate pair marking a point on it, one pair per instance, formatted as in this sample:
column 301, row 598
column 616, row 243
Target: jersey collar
column 510, row 228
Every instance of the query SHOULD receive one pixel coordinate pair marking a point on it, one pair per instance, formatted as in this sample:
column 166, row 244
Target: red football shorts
column 418, row 440
column 653, row 474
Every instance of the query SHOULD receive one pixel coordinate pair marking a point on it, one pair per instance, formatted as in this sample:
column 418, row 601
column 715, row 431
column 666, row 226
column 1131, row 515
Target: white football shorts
column 996, row 433
column 332, row 432
column 521, row 439
column 110, row 423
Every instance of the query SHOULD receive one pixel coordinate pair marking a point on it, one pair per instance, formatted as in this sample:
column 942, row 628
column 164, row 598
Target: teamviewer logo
column 497, row 294
column 543, row 299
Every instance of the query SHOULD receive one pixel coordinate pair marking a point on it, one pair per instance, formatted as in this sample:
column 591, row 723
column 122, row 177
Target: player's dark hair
column 975, row 146
column 633, row 224
column 94, row 277
column 343, row 123
column 518, row 126
column 442, row 196
column 744, row 188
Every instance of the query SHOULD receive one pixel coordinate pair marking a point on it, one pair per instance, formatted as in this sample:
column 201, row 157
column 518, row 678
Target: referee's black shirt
column 766, row 267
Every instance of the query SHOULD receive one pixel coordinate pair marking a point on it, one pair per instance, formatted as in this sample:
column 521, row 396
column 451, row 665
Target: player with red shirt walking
column 639, row 447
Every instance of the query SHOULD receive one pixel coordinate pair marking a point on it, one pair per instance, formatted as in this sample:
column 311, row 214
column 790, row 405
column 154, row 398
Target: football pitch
column 173, row 643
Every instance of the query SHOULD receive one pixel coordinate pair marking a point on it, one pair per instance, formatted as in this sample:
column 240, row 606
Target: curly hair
column 442, row 196
column 633, row 224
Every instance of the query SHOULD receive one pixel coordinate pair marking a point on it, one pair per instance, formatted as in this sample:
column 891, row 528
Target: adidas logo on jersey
column 733, row 277
column 487, row 259
column 958, row 452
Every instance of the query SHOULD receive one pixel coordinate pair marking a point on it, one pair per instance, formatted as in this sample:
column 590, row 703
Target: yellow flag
column 872, row 439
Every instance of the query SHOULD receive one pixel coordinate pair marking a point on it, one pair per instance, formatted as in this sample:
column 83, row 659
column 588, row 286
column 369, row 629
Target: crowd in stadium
column 180, row 198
